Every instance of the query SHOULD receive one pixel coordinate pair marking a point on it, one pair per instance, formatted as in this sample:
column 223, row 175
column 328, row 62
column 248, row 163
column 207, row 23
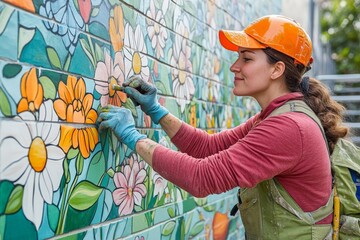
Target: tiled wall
column 59, row 177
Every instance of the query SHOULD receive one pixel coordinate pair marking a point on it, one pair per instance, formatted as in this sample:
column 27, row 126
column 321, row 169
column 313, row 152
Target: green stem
column 61, row 217
column 91, row 46
column 67, row 203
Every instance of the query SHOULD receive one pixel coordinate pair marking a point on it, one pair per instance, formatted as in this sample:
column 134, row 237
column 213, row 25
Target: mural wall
column 58, row 177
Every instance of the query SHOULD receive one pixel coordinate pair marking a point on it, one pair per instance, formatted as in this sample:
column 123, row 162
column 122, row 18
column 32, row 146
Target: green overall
column 269, row 212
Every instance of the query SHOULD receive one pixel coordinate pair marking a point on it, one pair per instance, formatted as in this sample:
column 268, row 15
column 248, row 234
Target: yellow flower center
column 182, row 74
column 111, row 83
column 37, row 154
column 136, row 61
column 130, row 192
column 32, row 106
column 157, row 28
column 182, row 77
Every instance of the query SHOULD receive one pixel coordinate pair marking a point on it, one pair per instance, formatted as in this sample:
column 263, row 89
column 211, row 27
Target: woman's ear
column 278, row 70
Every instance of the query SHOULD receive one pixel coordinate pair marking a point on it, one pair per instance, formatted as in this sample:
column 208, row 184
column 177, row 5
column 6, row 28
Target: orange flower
column 116, row 29
column 32, row 93
column 220, row 226
column 74, row 106
column 24, row 4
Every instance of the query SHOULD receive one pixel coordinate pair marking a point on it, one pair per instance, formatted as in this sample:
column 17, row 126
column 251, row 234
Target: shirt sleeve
column 271, row 148
column 198, row 143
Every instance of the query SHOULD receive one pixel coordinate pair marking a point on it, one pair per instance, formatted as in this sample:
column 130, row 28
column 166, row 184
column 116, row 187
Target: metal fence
column 345, row 89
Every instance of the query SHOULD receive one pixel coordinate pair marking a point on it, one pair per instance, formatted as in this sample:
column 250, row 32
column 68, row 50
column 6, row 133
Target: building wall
column 59, row 177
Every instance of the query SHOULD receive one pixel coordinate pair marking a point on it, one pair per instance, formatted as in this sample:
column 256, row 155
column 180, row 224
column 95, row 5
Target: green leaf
column 66, row 170
column 96, row 168
column 188, row 222
column 111, row 172
column 6, row 188
column 99, row 53
column 197, row 228
column 171, row 212
column 67, row 62
column 84, row 195
column 200, row 201
column 95, row 12
column 53, row 57
column 79, row 164
column 72, row 153
column 85, row 45
column 168, row 228
column 11, row 70
column 53, row 214
column 48, row 86
column 15, row 200
column 209, row 208
column 5, row 107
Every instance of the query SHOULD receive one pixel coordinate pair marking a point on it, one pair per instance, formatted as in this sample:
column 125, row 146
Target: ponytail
column 330, row 113
column 316, row 96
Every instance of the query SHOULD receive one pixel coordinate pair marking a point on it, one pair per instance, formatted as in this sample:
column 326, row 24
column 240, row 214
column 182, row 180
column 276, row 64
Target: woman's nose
column 236, row 66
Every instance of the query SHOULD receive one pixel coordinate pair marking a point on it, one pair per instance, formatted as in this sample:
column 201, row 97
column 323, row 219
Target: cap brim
column 232, row 40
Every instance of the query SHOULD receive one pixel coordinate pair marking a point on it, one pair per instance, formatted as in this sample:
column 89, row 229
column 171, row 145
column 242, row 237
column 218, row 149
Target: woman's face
column 252, row 73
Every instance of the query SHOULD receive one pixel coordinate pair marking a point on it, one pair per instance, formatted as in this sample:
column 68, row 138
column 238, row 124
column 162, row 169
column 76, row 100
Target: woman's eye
column 246, row 59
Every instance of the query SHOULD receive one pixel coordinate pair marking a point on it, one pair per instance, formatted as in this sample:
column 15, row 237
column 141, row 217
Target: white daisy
column 160, row 183
column 156, row 30
column 136, row 61
column 183, row 86
column 31, row 157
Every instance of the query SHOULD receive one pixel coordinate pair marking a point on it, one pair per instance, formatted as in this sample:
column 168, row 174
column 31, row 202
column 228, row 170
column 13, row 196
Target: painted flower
column 108, row 73
column 220, row 225
column 135, row 60
column 32, row 92
column 75, row 106
column 214, row 90
column 210, row 19
column 31, row 157
column 160, row 183
column 65, row 13
column 130, row 187
column 156, row 30
column 193, row 118
column 227, row 122
column 85, row 9
column 183, row 86
column 27, row 5
column 116, row 29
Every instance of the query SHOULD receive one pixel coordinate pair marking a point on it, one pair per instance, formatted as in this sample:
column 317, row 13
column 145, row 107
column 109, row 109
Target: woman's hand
column 145, row 95
column 121, row 123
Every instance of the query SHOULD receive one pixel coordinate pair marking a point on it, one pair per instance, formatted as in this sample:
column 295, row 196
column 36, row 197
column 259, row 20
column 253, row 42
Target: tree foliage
column 340, row 22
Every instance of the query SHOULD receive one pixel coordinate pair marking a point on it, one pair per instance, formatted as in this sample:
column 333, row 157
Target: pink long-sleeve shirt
column 289, row 147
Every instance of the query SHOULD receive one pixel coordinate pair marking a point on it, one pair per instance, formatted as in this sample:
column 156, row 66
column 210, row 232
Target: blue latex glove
column 121, row 122
column 144, row 94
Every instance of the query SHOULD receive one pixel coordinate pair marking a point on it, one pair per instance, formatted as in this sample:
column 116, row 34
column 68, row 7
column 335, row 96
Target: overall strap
column 279, row 194
column 282, row 197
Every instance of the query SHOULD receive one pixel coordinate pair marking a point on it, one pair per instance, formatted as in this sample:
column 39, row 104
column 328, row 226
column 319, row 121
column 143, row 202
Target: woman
column 281, row 162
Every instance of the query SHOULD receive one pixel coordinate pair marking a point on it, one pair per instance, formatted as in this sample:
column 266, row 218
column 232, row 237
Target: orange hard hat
column 278, row 32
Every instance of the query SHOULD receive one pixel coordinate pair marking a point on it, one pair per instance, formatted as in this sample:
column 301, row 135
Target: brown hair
column 316, row 96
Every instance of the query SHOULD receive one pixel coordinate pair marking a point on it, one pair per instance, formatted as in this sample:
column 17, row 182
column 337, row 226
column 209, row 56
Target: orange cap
column 278, row 32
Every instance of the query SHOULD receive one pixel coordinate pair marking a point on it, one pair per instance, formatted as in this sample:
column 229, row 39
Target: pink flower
column 107, row 74
column 130, row 188
column 85, row 9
